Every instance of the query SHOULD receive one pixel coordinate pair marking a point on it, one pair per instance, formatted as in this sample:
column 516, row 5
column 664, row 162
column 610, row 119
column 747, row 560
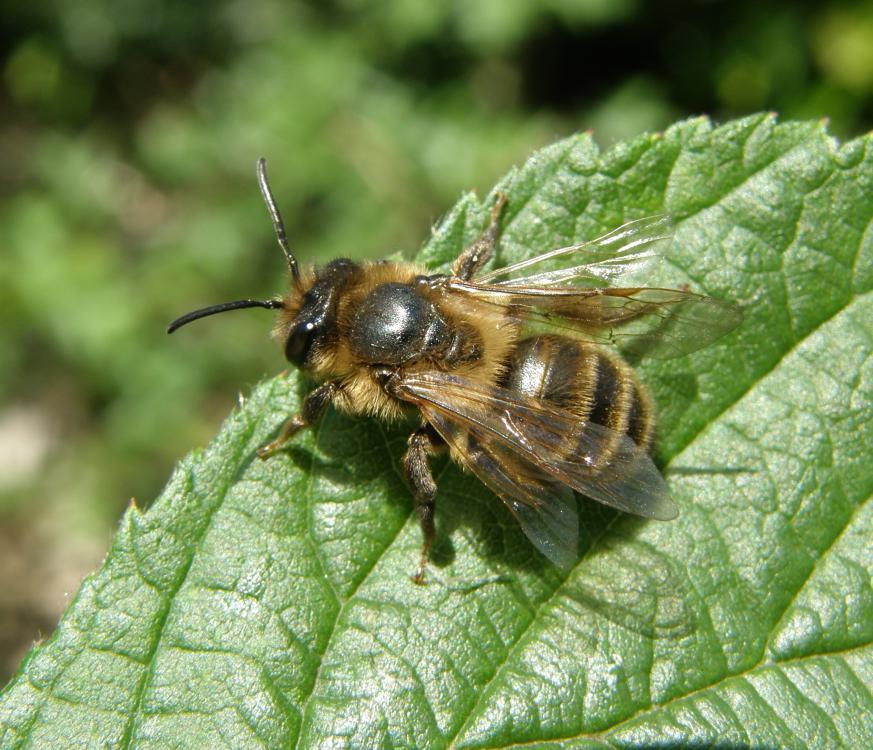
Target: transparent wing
column 589, row 458
column 544, row 508
column 607, row 258
column 661, row 323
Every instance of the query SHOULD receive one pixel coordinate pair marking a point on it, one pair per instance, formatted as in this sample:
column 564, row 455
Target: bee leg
column 423, row 443
column 313, row 405
column 468, row 263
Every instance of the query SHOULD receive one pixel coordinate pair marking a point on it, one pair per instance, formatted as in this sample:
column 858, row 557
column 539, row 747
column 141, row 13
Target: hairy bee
column 510, row 375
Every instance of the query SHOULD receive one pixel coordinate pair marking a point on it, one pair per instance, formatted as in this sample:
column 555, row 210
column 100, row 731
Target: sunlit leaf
column 268, row 604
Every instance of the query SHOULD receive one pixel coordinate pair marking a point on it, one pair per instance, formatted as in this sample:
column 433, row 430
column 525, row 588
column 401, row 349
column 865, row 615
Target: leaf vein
column 740, row 396
column 816, row 565
column 515, row 644
column 148, row 673
column 304, row 706
column 608, row 734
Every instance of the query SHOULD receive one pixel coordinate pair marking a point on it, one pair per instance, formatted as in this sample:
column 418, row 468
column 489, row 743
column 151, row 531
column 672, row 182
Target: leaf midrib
column 343, row 601
column 603, row 735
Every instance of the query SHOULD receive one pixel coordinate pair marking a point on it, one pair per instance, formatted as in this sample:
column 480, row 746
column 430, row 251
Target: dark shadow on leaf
column 468, row 586
column 684, row 385
column 341, row 440
column 682, row 391
column 442, row 553
column 466, row 507
column 307, row 461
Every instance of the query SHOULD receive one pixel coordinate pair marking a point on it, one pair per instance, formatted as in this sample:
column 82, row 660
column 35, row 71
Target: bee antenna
column 270, row 304
column 276, row 218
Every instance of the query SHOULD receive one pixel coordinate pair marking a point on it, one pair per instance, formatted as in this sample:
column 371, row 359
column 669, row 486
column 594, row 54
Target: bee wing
column 661, row 323
column 589, row 458
column 607, row 258
column 544, row 508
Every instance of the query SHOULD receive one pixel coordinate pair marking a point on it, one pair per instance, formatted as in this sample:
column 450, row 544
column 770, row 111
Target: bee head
column 308, row 323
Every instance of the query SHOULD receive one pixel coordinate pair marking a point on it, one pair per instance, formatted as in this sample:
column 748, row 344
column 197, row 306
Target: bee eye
column 299, row 342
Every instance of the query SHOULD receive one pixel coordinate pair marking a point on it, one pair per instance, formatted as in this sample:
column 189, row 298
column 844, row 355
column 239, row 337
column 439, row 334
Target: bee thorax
column 394, row 324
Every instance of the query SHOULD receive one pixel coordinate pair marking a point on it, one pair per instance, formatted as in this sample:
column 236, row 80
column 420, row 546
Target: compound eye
column 299, row 342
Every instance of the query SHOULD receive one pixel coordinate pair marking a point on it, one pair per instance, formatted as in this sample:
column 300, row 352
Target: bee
column 517, row 374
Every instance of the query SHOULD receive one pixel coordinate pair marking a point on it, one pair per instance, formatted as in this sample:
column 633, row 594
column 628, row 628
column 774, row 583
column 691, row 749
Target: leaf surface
column 268, row 605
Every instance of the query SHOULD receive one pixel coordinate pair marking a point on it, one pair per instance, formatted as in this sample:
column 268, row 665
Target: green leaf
column 268, row 605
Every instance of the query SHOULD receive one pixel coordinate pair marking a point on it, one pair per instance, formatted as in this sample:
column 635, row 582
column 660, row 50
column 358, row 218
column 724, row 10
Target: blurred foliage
column 128, row 136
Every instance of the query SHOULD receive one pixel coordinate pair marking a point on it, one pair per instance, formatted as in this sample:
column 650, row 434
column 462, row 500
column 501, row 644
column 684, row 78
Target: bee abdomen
column 596, row 385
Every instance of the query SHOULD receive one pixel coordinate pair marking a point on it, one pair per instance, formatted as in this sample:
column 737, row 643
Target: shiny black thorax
column 394, row 324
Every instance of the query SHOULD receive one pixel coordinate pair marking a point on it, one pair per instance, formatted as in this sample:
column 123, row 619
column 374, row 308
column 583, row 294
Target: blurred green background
column 128, row 139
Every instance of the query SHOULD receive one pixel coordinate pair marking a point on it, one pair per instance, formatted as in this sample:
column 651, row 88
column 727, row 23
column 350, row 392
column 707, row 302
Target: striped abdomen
column 586, row 380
